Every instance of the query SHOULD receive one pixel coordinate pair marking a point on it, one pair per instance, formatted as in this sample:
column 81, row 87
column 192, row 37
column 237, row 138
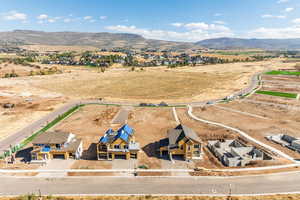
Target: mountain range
column 238, row 43
column 99, row 40
column 134, row 41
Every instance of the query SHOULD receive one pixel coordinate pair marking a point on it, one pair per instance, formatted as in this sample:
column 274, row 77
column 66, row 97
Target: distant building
column 232, row 153
column 181, row 141
column 56, row 144
column 118, row 144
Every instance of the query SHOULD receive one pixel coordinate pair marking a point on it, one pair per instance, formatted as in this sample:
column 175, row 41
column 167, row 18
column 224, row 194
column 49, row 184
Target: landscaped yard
column 277, row 72
column 279, row 94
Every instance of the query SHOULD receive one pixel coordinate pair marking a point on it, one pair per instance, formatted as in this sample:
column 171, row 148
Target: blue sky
column 177, row 20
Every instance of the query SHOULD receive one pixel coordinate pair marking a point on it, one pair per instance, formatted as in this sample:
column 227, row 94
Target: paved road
column 276, row 183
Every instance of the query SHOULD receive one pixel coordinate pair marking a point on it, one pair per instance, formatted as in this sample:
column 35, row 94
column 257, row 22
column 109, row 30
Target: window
column 57, row 146
column 125, row 146
column 181, row 147
column 197, row 146
column 117, row 146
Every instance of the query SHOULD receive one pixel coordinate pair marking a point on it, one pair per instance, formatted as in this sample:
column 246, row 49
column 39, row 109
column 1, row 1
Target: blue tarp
column 46, row 149
column 124, row 132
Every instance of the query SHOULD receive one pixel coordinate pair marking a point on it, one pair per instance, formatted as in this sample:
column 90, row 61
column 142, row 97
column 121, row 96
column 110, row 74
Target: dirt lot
column 28, row 108
column 159, row 83
column 45, row 48
column 149, row 197
column 255, row 127
column 183, row 84
column 286, row 78
column 279, row 87
column 274, row 99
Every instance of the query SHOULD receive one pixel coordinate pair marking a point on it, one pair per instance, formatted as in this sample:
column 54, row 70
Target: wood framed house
column 118, row 144
column 57, row 144
column 181, row 141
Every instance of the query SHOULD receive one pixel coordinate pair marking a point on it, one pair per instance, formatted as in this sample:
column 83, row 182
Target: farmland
column 276, row 72
column 279, row 94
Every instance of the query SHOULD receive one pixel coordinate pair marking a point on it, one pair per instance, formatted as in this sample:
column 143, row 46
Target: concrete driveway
column 56, row 164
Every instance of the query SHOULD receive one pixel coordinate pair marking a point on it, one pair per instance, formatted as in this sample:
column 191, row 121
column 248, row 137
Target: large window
column 117, row 146
column 197, row 146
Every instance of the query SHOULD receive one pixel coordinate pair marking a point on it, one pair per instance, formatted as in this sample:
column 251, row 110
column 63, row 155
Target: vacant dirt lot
column 149, row 197
column 159, row 83
column 27, row 109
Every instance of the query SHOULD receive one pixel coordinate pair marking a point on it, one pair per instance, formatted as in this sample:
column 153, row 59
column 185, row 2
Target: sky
column 174, row 20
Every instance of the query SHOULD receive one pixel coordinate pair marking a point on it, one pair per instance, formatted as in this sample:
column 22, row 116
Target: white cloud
column 87, row 17
column 282, row 1
column 288, row 9
column 177, row 24
column 103, row 17
column 206, row 27
column 191, row 35
column 42, row 17
column 51, row 20
column 285, row 32
column 273, row 16
column 220, row 22
column 67, row 20
column 296, row 21
column 14, row 15
column 218, row 14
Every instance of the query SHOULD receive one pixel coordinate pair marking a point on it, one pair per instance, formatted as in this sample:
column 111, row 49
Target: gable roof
column 55, row 137
column 123, row 133
column 181, row 131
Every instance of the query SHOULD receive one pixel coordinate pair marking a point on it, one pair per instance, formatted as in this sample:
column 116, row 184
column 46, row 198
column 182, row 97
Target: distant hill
column 99, row 40
column 237, row 43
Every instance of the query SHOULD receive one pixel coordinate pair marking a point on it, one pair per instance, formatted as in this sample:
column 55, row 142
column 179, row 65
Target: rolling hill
column 99, row 40
column 237, row 43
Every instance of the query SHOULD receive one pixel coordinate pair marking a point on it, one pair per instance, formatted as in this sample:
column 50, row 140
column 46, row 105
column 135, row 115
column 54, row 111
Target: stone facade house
column 181, row 141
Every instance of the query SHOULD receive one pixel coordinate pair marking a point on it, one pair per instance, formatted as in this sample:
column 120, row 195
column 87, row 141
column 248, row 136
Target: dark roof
column 190, row 133
column 181, row 131
column 164, row 142
column 173, row 135
column 56, row 137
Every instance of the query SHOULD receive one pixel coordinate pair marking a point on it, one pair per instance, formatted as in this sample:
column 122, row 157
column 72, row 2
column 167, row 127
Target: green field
column 276, row 72
column 279, row 94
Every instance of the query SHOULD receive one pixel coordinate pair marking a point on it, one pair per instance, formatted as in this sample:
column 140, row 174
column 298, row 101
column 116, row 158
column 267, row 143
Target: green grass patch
column 277, row 72
column 279, row 94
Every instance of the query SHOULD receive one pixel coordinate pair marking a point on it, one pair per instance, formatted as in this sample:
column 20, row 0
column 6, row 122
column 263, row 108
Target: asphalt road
column 276, row 183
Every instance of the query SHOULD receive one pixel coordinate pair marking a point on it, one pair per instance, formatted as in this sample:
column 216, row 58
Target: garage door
column 58, row 156
column 120, row 157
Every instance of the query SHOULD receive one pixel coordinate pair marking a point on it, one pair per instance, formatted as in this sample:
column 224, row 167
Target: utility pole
column 229, row 192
